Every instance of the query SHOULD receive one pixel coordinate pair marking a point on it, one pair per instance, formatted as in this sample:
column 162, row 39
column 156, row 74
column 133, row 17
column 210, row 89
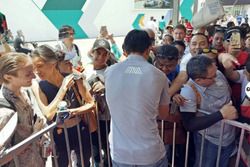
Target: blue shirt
column 213, row 98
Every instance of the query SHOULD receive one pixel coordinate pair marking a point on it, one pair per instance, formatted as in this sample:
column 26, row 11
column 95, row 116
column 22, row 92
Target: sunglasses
column 210, row 50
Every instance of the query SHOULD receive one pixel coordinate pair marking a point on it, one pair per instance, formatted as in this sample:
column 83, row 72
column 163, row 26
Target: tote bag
column 211, row 11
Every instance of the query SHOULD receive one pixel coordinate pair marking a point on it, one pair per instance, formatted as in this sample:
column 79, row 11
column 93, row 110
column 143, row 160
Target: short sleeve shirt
column 134, row 91
column 213, row 98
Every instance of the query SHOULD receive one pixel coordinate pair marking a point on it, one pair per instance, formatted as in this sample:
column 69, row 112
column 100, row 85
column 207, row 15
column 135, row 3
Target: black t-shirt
column 51, row 90
column 17, row 43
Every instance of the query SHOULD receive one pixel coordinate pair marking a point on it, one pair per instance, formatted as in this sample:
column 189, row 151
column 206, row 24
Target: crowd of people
column 193, row 79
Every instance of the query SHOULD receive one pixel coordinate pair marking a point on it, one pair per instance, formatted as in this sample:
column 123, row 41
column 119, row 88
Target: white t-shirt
column 184, row 61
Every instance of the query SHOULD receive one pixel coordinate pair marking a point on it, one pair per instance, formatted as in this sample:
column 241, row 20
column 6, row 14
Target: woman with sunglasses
column 52, row 83
column 66, row 35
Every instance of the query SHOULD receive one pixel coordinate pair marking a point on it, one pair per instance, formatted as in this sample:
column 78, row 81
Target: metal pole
column 80, row 143
column 108, row 152
column 202, row 147
column 176, row 12
column 187, row 144
column 67, row 144
column 99, row 135
column 220, row 144
column 91, row 143
column 173, row 149
column 240, row 146
column 53, row 148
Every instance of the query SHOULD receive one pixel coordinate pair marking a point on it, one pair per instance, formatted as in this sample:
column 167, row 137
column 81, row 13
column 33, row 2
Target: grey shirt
column 213, row 98
column 134, row 91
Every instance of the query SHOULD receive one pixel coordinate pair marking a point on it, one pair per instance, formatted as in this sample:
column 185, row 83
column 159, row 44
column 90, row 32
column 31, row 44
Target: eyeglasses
column 168, row 57
column 210, row 50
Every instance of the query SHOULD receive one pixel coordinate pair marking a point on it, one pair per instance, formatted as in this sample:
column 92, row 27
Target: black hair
column 196, row 34
column 230, row 24
column 63, row 31
column 167, row 52
column 181, row 43
column 48, row 54
column 198, row 65
column 181, row 26
column 137, row 41
column 169, row 35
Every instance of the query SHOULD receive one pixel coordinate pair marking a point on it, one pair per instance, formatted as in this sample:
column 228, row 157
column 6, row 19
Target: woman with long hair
column 55, row 86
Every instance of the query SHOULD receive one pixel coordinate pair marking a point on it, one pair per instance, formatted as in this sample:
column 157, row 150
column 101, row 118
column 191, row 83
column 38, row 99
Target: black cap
column 230, row 31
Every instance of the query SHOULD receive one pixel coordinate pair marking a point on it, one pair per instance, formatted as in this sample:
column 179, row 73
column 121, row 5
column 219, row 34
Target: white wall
column 117, row 15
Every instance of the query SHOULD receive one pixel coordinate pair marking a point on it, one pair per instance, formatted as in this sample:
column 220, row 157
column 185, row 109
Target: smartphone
column 103, row 32
column 235, row 40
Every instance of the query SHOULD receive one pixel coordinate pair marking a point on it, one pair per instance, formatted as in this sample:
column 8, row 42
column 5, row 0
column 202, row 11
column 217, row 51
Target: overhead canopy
column 235, row 2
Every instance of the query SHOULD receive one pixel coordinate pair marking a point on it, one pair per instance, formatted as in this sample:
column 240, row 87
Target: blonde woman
column 16, row 72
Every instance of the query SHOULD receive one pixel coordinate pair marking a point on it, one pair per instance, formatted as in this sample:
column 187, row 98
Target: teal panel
column 186, row 9
column 64, row 4
column 136, row 23
column 66, row 17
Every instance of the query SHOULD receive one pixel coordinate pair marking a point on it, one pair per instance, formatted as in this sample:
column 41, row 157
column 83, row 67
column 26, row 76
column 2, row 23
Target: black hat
column 230, row 31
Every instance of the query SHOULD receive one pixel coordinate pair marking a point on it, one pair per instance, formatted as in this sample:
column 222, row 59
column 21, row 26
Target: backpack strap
column 6, row 104
column 196, row 92
column 77, row 49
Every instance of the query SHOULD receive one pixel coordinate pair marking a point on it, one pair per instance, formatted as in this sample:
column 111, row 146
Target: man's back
column 134, row 90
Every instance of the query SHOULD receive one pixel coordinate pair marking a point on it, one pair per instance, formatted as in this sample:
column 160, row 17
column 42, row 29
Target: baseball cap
column 101, row 43
column 230, row 31
column 170, row 26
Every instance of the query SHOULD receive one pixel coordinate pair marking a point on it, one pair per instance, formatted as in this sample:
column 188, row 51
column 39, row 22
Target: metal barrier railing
column 10, row 153
column 243, row 126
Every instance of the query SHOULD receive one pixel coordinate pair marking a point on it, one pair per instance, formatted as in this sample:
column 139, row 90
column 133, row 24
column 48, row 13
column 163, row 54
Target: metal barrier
column 242, row 126
column 11, row 153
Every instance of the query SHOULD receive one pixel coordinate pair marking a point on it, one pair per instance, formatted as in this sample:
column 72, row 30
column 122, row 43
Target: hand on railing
column 228, row 111
column 62, row 112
